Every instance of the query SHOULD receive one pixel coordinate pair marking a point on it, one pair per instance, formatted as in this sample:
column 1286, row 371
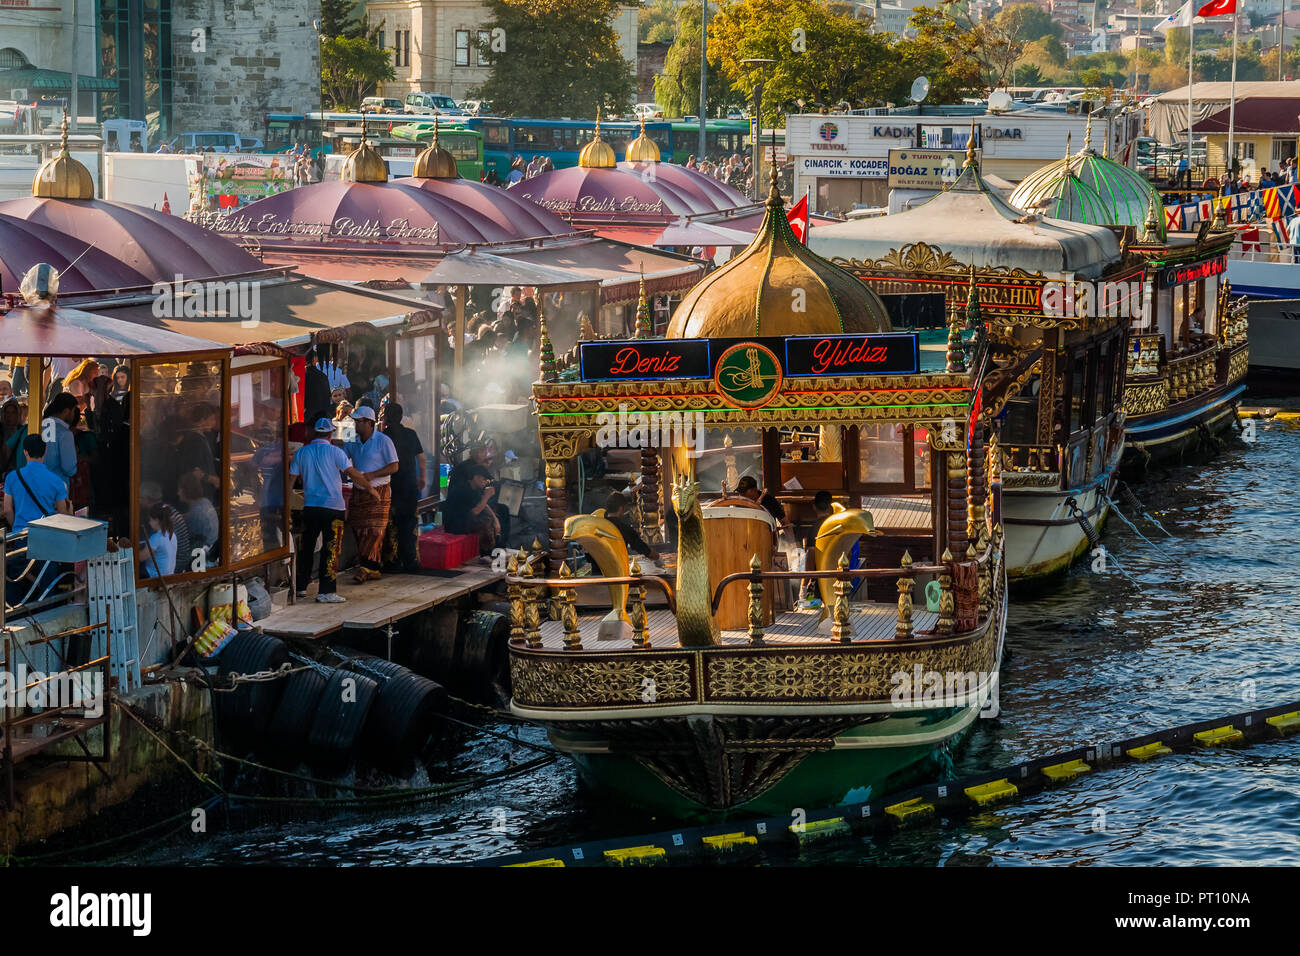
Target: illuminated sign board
column 803, row 356
column 1193, row 272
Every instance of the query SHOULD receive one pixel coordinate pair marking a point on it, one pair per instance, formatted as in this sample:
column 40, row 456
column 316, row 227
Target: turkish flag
column 1217, row 8
column 798, row 217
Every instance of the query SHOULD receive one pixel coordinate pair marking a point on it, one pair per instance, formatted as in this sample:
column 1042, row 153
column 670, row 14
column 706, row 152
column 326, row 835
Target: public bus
column 505, row 138
column 466, row 145
column 722, row 137
column 283, row 131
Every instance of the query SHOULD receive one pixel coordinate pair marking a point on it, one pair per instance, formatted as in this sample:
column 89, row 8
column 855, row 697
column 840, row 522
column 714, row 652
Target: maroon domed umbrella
column 422, row 212
column 707, row 193
column 82, row 267
column 156, row 245
column 630, row 192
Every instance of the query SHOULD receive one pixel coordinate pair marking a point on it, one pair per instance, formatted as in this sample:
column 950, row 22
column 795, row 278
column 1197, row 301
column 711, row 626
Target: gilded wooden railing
column 1031, row 458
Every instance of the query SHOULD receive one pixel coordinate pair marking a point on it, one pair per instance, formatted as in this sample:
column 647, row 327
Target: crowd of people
column 735, row 170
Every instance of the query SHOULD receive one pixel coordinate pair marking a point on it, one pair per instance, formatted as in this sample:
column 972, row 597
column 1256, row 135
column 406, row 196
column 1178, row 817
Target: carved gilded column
column 556, row 512
column 976, row 487
column 649, row 495
column 955, row 464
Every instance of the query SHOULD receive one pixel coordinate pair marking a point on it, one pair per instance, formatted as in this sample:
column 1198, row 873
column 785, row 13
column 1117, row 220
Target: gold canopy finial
column 1087, row 136
column 643, row 148
column 597, row 154
column 1151, row 226
column 61, row 176
column 435, row 162
column 970, row 146
column 1068, row 146
column 364, row 164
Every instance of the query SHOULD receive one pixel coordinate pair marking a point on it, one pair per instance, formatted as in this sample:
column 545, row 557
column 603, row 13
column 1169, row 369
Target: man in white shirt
column 375, row 456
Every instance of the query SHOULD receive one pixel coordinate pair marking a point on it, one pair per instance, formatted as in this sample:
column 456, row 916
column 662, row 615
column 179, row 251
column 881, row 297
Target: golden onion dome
column 364, row 164
column 61, row 176
column 778, row 286
column 597, row 154
column 643, row 148
column 435, row 162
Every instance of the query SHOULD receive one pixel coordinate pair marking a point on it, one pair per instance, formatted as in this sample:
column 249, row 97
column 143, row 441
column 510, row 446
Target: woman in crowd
column 160, row 557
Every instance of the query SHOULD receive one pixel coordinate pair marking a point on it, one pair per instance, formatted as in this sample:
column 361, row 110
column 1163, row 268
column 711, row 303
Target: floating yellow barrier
column 1285, row 724
column 992, row 792
column 636, row 855
column 1218, row 736
column 1287, row 416
column 551, row 861
column 1149, row 751
column 910, row 810
column 1060, row 772
column 729, row 841
column 820, row 829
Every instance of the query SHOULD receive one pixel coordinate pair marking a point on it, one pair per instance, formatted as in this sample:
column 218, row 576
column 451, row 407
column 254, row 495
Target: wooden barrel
column 734, row 531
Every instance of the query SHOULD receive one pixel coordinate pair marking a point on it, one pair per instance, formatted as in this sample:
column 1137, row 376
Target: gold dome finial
column 61, row 176
column 1087, row 136
column 435, row 162
column 597, row 154
column 970, row 146
column 643, row 148
column 1068, row 146
column 364, row 164
column 1151, row 228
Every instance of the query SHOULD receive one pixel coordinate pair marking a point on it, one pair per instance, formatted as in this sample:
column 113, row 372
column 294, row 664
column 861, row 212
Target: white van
column 219, row 142
column 125, row 136
column 438, row 104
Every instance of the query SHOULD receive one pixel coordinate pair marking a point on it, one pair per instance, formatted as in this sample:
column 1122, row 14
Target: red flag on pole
column 798, row 217
column 1217, row 8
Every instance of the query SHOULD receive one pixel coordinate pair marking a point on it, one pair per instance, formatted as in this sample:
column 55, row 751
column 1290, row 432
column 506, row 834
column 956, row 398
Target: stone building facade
column 252, row 57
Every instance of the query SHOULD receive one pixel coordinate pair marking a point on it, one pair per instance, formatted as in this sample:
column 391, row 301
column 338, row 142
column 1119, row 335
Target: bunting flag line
column 1279, row 231
column 1174, row 218
column 1272, row 203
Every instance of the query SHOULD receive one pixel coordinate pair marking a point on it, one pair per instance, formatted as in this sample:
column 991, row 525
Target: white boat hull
column 1042, row 535
column 1274, row 334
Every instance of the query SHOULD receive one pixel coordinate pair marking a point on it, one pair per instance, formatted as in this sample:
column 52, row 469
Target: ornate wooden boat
column 675, row 708
column 1056, row 376
column 1187, row 353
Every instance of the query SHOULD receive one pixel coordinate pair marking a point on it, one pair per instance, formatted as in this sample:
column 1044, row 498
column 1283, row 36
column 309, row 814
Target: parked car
column 437, row 104
column 475, row 107
column 649, row 110
column 381, row 104
column 218, row 141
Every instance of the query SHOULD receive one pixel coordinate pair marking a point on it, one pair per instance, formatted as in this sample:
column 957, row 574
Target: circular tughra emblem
column 748, row 374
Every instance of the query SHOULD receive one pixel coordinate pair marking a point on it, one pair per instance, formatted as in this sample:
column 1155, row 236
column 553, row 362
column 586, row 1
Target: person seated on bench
column 747, row 487
column 468, row 509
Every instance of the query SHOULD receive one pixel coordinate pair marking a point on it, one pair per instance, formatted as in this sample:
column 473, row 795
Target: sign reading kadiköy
column 803, row 356
column 924, row 168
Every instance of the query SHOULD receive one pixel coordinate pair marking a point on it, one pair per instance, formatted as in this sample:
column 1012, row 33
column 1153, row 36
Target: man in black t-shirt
column 408, row 483
column 468, row 509
column 615, row 513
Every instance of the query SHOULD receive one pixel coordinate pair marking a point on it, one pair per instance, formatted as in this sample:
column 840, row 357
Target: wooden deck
column 871, row 622
column 898, row 513
column 373, row 604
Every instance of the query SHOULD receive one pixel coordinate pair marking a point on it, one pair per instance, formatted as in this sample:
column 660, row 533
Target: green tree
column 338, row 18
column 351, row 67
column 1029, row 75
column 1026, row 21
column 819, row 55
column 677, row 88
column 561, row 58
column 657, row 22
column 945, row 52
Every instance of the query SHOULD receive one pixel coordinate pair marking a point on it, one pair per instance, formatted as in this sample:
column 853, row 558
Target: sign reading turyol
column 924, row 169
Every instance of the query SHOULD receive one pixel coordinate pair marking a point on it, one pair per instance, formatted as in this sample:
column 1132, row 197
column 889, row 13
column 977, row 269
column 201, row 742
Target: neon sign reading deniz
column 803, row 355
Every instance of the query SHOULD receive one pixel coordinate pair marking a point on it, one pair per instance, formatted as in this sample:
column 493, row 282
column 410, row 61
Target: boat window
column 1211, row 303
column 256, row 462
column 1078, row 391
column 180, row 464
column 721, row 463
column 1021, row 424
column 880, row 454
column 1105, row 386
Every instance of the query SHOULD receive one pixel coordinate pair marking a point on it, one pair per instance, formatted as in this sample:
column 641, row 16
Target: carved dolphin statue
column 836, row 538
column 605, row 546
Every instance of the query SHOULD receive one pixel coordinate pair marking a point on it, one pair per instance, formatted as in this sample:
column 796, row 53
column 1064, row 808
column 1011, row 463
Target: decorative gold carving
column 916, row 257
column 947, row 602
column 841, row 628
column 696, row 625
column 569, row 681
column 1030, row 479
column 569, row 612
column 514, row 593
column 755, row 604
column 532, row 608
column 563, row 445
column 1145, row 399
column 636, row 603
column 903, row 630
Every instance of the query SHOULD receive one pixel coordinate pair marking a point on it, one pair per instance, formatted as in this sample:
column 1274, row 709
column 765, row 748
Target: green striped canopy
column 1089, row 188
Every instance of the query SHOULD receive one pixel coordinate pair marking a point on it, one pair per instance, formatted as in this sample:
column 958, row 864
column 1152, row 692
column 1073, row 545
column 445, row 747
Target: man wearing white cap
column 375, row 456
column 321, row 466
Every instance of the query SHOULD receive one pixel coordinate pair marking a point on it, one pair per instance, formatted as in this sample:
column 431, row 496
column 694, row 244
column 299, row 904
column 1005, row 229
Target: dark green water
column 1206, row 629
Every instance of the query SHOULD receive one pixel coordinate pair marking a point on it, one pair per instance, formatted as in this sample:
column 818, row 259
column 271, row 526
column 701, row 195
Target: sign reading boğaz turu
column 641, row 360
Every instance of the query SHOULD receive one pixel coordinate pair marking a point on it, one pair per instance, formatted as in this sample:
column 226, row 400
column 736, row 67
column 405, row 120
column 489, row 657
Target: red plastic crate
column 440, row 550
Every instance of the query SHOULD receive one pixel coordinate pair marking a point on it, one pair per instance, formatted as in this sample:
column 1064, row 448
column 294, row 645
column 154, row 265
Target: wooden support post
column 755, row 603
column 976, row 486
column 556, row 506
column 903, row 630
column 985, row 572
